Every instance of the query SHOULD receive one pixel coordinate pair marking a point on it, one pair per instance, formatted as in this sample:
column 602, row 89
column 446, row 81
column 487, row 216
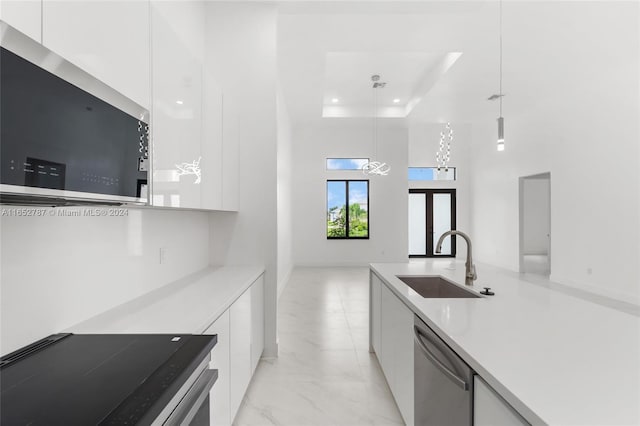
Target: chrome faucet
column 470, row 271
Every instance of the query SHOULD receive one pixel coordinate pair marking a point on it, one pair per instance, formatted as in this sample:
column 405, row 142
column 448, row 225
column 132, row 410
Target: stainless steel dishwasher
column 443, row 381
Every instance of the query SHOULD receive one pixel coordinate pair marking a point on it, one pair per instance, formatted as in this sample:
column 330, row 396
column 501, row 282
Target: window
column 431, row 173
column 432, row 212
column 347, row 209
column 346, row 163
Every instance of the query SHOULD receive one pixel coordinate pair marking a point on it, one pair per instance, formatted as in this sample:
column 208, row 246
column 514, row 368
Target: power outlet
column 164, row 255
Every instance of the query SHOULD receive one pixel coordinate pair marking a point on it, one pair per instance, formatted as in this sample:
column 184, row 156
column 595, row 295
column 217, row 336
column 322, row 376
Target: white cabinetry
column 375, row 287
column 219, row 407
column 396, row 349
column 257, row 322
column 230, row 155
column 489, row 409
column 181, row 161
column 108, row 39
column 240, row 349
column 23, row 15
column 247, row 340
column 240, row 333
column 194, row 129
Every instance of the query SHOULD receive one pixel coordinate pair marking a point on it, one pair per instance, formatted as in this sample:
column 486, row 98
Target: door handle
column 457, row 380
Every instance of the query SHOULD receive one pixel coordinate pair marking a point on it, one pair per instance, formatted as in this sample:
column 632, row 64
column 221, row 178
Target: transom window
column 346, row 163
column 431, row 173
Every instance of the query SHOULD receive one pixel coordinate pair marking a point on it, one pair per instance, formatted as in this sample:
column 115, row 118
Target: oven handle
column 450, row 374
column 192, row 401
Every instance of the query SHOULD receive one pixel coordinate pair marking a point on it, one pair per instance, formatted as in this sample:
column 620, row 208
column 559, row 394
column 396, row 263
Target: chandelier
column 444, row 151
column 374, row 167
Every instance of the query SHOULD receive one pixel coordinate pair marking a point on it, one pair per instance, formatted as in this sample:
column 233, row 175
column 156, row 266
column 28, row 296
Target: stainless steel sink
column 435, row 287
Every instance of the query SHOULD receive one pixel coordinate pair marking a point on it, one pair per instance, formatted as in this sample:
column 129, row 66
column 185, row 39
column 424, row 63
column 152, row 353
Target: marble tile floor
column 324, row 374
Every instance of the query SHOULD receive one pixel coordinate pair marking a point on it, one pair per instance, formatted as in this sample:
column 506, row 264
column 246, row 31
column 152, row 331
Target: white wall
column 241, row 53
column 571, row 108
column 285, row 166
column 424, row 142
column 388, row 199
column 57, row 271
column 536, row 226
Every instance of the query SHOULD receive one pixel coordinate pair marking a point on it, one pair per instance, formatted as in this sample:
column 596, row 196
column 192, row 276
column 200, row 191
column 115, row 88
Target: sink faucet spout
column 470, row 270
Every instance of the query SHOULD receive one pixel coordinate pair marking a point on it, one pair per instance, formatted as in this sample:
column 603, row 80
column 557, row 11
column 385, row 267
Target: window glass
column 359, row 208
column 346, row 163
column 336, row 209
column 431, row 173
column 347, row 209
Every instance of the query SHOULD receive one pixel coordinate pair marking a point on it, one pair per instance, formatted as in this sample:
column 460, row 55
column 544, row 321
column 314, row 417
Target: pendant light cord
column 501, row 95
column 375, row 124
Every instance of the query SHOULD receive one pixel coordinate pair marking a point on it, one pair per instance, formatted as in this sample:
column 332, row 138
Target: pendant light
column 444, row 151
column 500, row 144
column 376, row 167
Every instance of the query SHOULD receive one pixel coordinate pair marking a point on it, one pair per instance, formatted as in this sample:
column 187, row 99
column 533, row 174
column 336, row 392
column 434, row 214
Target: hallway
column 324, row 374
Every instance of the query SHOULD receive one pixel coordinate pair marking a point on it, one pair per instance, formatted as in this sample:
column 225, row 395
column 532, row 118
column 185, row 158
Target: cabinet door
column 387, row 339
column 403, row 359
column 177, row 115
column 257, row 322
column 23, row 15
column 374, row 313
column 230, row 155
column 212, row 144
column 240, row 352
column 489, row 409
column 396, row 351
column 108, row 39
column 220, row 411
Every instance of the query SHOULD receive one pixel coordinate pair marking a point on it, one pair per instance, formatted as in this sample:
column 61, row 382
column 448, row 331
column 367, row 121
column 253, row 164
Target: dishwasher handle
column 443, row 368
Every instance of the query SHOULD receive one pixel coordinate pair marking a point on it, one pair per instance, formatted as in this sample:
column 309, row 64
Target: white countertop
column 557, row 359
column 187, row 306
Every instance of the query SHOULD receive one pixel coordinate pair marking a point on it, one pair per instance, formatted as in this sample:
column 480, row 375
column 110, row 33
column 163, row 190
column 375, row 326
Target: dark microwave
column 66, row 137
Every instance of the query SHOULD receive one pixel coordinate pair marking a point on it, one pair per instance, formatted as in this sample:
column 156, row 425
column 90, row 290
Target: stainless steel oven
column 108, row 379
column 190, row 405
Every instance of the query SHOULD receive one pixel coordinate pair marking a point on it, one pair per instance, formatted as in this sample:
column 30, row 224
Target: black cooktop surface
column 96, row 379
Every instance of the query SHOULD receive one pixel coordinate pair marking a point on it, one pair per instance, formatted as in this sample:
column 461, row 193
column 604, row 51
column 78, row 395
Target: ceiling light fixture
column 396, row 101
column 500, row 144
column 444, row 152
column 179, row 102
column 335, row 100
column 376, row 167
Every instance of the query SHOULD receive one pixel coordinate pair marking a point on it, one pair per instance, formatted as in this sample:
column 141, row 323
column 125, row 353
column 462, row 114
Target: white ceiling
column 408, row 76
column 439, row 58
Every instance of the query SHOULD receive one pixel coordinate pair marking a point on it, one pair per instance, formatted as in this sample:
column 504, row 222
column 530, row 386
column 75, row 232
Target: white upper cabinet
column 230, row 155
column 108, row 39
column 153, row 52
column 176, row 114
column 23, row 15
column 212, row 148
column 187, row 126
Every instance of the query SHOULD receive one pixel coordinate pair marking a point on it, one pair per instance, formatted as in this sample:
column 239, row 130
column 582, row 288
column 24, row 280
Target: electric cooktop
column 75, row 379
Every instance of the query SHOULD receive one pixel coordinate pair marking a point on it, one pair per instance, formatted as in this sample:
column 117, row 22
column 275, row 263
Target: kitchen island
column 555, row 358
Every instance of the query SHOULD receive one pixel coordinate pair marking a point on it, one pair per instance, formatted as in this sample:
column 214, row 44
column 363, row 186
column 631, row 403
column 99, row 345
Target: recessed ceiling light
column 335, row 100
column 396, row 101
column 179, row 102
